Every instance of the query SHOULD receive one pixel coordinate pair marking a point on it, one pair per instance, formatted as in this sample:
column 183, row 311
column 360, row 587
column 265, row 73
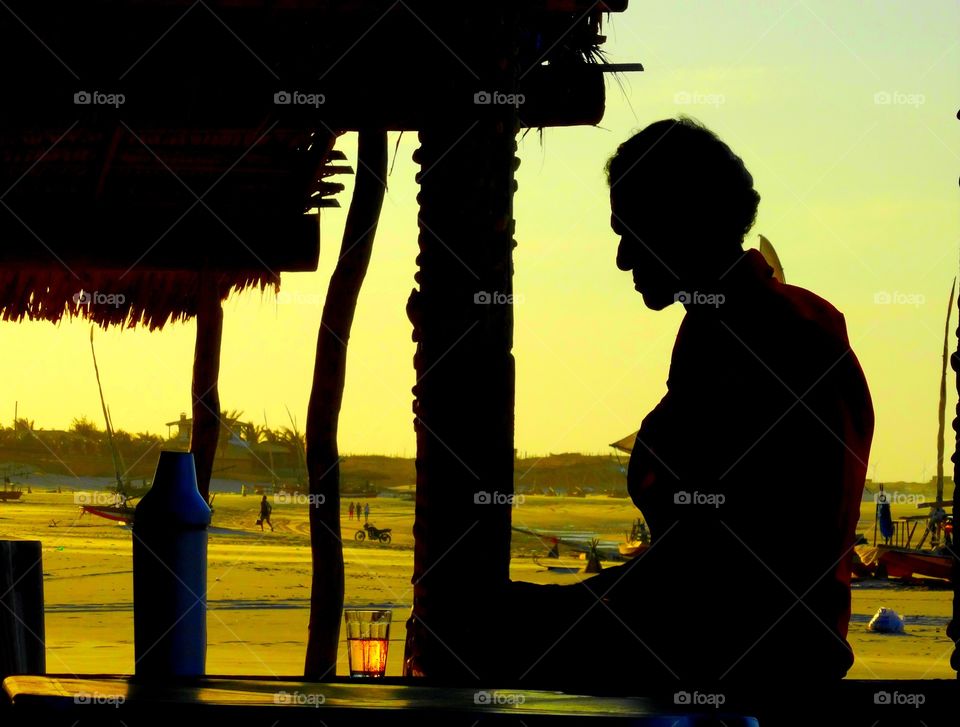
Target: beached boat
column 632, row 549
column 9, row 492
column 898, row 563
column 120, row 513
column 897, row 556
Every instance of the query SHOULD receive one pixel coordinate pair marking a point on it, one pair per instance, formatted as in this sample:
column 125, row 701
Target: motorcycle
column 369, row 531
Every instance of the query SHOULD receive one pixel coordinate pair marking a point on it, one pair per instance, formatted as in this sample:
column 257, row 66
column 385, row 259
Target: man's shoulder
column 776, row 312
column 808, row 311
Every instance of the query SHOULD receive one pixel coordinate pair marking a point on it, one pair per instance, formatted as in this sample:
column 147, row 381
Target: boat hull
column 905, row 563
column 632, row 550
column 110, row 512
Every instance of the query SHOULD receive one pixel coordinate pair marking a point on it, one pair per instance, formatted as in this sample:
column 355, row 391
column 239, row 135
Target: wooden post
column 205, row 432
column 326, row 397
column 463, row 326
column 21, row 608
column 953, row 629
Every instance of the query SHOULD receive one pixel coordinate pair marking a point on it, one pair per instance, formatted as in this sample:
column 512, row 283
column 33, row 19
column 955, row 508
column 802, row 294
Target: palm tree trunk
column 462, row 317
column 205, row 432
column 326, row 397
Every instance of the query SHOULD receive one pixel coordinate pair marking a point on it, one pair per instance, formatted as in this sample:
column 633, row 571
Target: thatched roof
column 129, row 242
column 141, row 298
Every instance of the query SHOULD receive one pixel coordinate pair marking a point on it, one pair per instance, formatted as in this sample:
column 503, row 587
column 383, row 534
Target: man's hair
column 682, row 164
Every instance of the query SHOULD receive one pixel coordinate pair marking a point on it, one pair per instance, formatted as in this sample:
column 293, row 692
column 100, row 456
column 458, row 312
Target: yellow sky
column 845, row 117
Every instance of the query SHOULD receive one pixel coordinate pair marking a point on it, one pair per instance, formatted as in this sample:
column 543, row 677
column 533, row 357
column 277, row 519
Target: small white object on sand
column 886, row 621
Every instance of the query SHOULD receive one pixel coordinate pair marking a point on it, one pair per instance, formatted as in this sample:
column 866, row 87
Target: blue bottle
column 170, row 572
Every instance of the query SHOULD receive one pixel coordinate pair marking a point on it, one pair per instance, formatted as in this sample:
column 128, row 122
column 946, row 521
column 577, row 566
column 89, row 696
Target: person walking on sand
column 265, row 509
column 359, row 510
column 351, row 510
column 366, row 513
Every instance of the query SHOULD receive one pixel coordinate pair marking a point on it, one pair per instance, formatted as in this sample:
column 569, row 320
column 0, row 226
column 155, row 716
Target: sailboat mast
column 106, row 417
column 943, row 398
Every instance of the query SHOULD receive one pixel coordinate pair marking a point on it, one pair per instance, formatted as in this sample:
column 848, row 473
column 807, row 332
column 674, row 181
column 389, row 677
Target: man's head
column 681, row 202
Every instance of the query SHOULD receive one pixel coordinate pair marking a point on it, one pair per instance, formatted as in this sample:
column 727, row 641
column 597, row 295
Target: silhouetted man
column 749, row 471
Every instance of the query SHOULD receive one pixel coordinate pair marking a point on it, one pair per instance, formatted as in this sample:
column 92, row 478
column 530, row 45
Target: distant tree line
column 86, row 438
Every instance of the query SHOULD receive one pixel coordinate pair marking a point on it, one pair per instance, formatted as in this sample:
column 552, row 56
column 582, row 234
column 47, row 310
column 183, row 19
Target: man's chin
column 658, row 299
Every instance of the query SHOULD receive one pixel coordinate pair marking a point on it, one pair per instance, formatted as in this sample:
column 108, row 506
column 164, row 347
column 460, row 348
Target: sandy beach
column 258, row 584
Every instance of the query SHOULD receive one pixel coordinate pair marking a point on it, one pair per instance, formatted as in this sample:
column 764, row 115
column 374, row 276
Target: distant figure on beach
column 351, row 510
column 366, row 512
column 359, row 510
column 265, row 509
column 750, row 470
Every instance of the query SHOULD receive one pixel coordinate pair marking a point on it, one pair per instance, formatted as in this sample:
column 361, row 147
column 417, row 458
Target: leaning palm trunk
column 205, row 432
column 942, row 408
column 326, row 397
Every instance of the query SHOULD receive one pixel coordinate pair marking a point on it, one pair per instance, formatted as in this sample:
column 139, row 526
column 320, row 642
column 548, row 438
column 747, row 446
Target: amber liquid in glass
column 368, row 657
